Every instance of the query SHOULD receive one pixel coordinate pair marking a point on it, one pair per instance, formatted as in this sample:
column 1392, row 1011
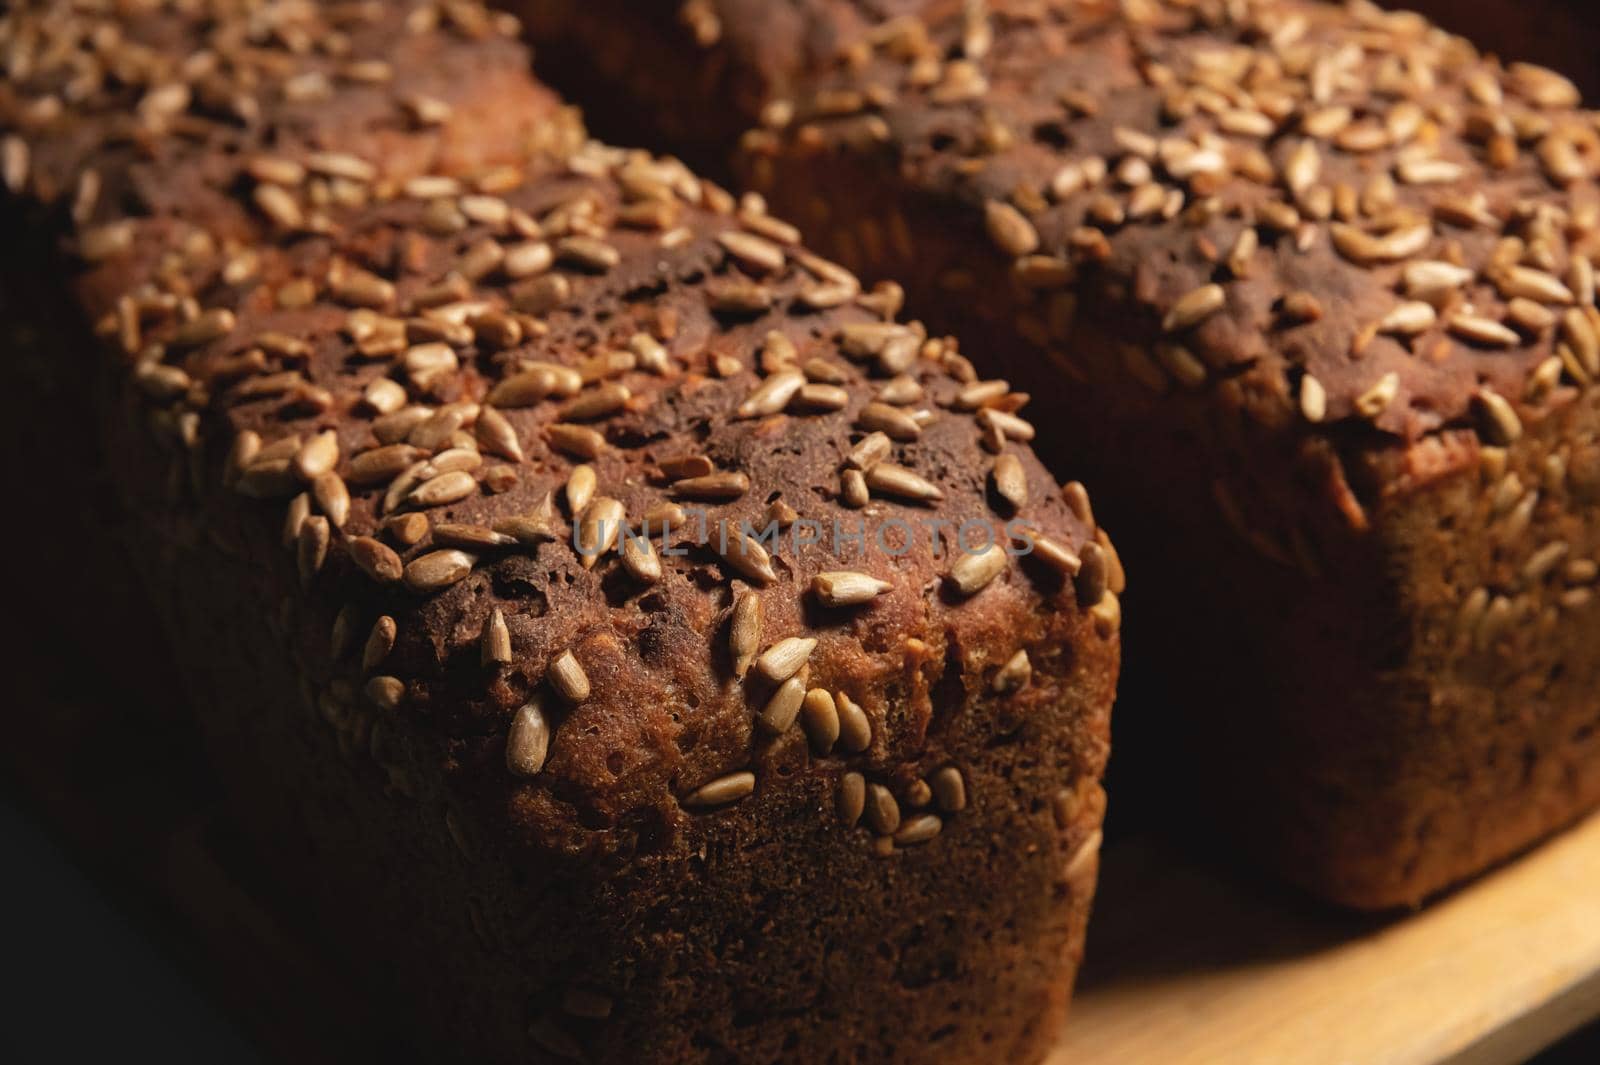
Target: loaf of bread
column 1310, row 288
column 634, row 642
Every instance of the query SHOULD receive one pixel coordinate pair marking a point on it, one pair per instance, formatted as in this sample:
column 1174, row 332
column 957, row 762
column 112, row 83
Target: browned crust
column 282, row 285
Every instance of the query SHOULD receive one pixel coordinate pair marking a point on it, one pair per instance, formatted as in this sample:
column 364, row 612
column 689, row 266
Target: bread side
column 1308, row 278
column 683, row 797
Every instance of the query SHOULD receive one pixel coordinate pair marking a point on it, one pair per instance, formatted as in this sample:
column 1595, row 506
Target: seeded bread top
column 452, row 391
column 165, row 110
column 1348, row 209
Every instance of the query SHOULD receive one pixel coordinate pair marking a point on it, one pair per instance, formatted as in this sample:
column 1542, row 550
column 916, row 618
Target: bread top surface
column 1349, row 209
column 451, row 389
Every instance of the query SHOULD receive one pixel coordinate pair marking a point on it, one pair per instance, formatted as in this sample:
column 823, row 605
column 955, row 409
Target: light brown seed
column 581, row 483
column 919, row 829
column 853, row 491
column 1194, row 307
column 1485, row 331
column 587, row 253
column 1375, row 400
column 949, row 789
column 891, row 421
column 889, row 479
column 871, row 450
column 855, row 727
column 598, row 529
column 1010, row 229
column 723, row 790
column 474, row 538
column 973, row 571
column 1497, row 417
column 437, row 570
column 852, row 798
column 783, row 706
column 745, row 556
column 1409, row 318
column 333, row 498
column 725, row 485
column 495, row 645
column 883, row 810
column 380, row 641
column 385, row 692
column 496, row 435
column 317, row 456
column 752, row 252
column 841, row 588
column 579, row 440
column 772, row 395
column 783, row 659
column 1010, row 481
column 744, row 631
column 819, row 716
column 528, row 742
column 568, row 678
column 315, row 536
column 383, row 463
column 446, row 488
column 1014, row 675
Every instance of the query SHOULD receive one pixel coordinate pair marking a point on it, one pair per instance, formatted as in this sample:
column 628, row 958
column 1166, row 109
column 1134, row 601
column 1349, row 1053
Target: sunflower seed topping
column 528, row 742
column 841, row 588
column 722, row 791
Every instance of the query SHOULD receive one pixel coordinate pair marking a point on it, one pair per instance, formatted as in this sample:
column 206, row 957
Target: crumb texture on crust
column 643, row 566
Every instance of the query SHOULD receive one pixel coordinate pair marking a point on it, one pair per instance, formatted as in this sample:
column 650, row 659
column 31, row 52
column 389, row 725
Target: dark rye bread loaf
column 388, row 353
column 1310, row 288
column 1327, row 322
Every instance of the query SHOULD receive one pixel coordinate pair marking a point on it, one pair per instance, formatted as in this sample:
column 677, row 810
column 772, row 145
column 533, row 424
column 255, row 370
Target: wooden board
column 1189, row 966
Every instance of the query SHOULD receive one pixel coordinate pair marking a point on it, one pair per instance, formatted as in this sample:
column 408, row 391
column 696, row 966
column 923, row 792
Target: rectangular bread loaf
column 1310, row 287
column 635, row 643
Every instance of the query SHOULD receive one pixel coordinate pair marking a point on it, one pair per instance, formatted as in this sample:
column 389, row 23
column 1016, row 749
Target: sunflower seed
column 819, row 716
column 1010, row 481
column 883, row 812
column 380, row 641
column 1313, row 399
column 855, row 728
column 1409, row 318
column 723, row 790
column 312, row 551
column 1014, row 675
column 713, row 486
column 783, row 659
column 779, row 714
column 1485, row 331
column 1364, row 248
column 744, row 631
column 299, row 510
column 1375, row 400
column 1499, row 420
column 598, row 529
column 898, row 481
column 949, row 789
column 1194, row 307
column 568, row 678
column 772, row 395
column 528, row 742
column 640, row 560
column 581, row 484
column 1010, row 229
column 443, row 490
column 872, row 449
column 332, row 497
column 577, row 440
column 385, row 692
column 495, row 435
column 852, row 798
column 973, row 572
column 891, row 421
column 746, row 557
column 840, row 588
column 752, row 252
column 437, row 570
column 919, row 829
column 494, row 646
